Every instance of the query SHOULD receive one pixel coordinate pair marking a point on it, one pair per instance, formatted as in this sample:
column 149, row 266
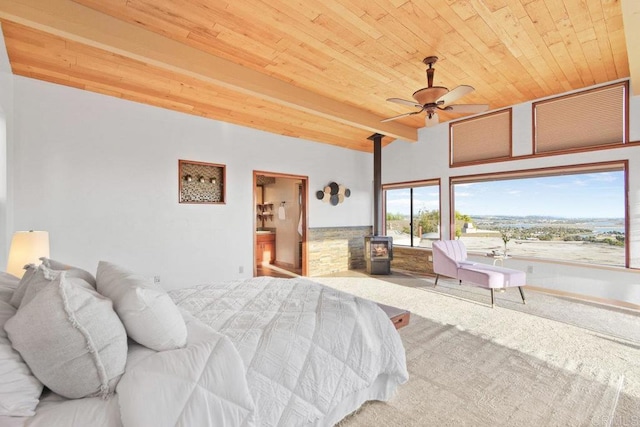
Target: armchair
column 450, row 259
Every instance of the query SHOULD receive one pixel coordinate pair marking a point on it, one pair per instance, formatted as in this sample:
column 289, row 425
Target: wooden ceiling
column 320, row 70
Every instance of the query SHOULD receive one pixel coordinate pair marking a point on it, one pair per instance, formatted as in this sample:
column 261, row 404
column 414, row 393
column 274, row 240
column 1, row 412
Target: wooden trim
column 305, row 217
column 384, row 211
column 554, row 153
column 550, row 171
column 409, row 184
column 538, row 172
column 452, row 211
column 434, row 182
column 255, row 224
column 627, row 222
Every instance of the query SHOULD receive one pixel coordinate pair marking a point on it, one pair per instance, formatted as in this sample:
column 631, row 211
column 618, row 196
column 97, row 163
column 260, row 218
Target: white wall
column 428, row 158
column 6, row 129
column 101, row 175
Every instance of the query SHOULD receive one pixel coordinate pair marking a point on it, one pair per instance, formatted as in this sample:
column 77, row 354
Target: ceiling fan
column 433, row 98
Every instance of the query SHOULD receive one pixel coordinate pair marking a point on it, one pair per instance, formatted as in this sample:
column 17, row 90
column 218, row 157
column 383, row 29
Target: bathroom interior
column 279, row 212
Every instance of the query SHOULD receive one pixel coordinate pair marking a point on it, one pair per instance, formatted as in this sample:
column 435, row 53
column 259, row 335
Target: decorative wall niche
column 201, row 182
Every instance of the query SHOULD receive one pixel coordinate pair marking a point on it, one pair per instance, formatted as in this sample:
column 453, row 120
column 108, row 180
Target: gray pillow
column 40, row 277
column 71, row 270
column 71, row 339
column 19, row 389
column 18, row 294
column 8, row 285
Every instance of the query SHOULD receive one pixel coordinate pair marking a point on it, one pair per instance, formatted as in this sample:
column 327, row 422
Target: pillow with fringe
column 71, row 339
column 71, row 270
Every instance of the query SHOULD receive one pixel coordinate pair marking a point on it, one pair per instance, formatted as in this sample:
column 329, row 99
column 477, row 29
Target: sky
column 589, row 195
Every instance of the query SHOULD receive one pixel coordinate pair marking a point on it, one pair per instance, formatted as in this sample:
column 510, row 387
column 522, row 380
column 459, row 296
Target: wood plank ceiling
column 318, row 70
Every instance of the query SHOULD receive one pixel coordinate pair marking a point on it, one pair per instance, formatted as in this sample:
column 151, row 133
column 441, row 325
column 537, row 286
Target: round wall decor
column 333, row 193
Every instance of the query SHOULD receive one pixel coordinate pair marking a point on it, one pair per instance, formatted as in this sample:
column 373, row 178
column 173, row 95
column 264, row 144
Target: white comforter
column 312, row 354
column 203, row 384
column 273, row 352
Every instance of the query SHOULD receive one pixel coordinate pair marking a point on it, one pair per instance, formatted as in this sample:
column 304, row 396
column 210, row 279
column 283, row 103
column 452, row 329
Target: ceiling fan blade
column 431, row 120
column 400, row 116
column 454, row 94
column 467, row 108
column 404, row 102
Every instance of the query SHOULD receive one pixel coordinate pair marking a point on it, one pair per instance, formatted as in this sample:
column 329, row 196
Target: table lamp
column 26, row 248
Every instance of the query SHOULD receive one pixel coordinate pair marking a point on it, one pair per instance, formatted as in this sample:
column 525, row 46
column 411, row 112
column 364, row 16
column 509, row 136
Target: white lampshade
column 26, row 248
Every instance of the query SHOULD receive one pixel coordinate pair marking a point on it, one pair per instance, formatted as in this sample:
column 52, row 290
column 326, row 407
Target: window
column 593, row 118
column 479, row 139
column 413, row 212
column 574, row 214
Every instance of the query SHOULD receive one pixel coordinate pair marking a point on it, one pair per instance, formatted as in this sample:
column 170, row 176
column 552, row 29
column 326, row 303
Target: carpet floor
column 471, row 365
column 613, row 321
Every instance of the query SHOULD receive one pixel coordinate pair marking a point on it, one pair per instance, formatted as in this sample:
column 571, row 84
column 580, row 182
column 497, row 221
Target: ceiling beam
column 78, row 23
column 631, row 20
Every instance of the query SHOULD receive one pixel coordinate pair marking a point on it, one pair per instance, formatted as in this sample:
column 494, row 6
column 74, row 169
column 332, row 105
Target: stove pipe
column 377, row 183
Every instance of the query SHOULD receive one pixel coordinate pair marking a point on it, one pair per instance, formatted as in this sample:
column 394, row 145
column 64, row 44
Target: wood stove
column 378, row 253
column 378, row 250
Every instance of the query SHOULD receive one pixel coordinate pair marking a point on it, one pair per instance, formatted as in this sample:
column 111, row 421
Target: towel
column 281, row 214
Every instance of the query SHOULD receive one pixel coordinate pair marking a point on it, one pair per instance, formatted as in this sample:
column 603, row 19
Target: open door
column 280, row 224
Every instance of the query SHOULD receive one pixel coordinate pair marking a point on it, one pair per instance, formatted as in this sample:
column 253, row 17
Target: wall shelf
column 264, row 211
column 201, row 182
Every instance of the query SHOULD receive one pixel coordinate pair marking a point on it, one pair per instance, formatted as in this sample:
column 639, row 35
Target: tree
column 462, row 217
column 428, row 221
column 506, row 236
column 394, row 216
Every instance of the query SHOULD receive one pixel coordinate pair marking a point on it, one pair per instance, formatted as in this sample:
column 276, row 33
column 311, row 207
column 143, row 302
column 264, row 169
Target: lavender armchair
column 450, row 259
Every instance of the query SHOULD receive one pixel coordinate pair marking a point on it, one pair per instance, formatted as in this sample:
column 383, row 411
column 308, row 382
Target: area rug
column 613, row 321
column 461, row 379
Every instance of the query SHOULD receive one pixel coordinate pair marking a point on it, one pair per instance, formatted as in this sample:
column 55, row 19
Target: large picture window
column 413, row 213
column 573, row 214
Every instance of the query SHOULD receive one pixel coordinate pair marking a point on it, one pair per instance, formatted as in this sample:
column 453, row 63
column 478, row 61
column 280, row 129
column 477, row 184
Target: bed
column 262, row 351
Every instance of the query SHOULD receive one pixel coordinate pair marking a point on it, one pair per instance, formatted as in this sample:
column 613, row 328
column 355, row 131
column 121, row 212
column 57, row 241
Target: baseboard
column 588, row 298
column 555, row 292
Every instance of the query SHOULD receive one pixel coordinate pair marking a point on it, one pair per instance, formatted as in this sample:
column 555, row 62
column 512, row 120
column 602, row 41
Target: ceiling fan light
column 431, row 119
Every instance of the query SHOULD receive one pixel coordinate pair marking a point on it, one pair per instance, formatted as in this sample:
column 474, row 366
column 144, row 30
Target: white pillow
column 71, row 338
column 147, row 311
column 19, row 389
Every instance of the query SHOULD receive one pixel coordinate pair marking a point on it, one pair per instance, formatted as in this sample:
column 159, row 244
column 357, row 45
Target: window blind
column 592, row 118
column 486, row 137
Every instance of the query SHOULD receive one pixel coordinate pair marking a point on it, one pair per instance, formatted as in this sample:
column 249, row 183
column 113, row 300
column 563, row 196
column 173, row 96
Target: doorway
column 280, row 224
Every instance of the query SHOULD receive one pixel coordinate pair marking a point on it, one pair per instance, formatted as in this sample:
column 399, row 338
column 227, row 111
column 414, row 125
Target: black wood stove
column 378, row 250
column 378, row 253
